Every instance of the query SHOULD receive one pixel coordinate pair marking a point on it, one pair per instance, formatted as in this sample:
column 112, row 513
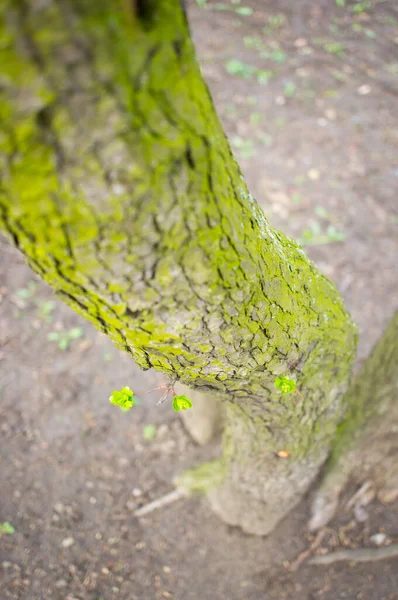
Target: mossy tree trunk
column 118, row 185
column 365, row 445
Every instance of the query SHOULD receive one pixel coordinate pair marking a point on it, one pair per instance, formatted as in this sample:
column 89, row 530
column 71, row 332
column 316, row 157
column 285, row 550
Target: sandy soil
column 318, row 148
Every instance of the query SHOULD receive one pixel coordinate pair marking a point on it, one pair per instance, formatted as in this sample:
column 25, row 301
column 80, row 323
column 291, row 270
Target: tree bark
column 118, row 185
column 365, row 446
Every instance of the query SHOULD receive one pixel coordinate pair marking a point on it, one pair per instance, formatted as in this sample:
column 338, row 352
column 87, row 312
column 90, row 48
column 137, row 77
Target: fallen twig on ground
column 293, row 566
column 362, row 555
column 160, row 502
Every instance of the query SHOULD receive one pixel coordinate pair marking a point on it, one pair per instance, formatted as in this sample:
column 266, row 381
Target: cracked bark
column 118, row 185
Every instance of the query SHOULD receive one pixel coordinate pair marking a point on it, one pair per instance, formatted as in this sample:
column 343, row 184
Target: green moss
column 118, row 185
column 202, row 478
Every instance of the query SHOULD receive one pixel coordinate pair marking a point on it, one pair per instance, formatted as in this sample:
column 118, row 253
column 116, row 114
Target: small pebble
column 67, row 542
column 113, row 540
column 61, row 583
column 300, row 42
column 140, row 545
column 378, row 538
column 313, row 174
column 363, row 90
column 330, row 114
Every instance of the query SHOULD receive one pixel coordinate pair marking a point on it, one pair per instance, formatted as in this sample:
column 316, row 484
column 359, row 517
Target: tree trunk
column 118, row 184
column 366, row 442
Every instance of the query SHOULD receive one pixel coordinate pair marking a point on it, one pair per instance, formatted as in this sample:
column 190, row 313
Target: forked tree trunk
column 119, row 186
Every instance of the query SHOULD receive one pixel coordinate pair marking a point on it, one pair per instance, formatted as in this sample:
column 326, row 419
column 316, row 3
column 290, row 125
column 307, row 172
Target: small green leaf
column 63, row 343
column 181, row 403
column 149, row 432
column 47, row 308
column 75, row 333
column 334, row 48
column 263, row 76
column 123, row 398
column 28, row 291
column 278, row 56
column 237, row 67
column 285, row 385
column 53, row 336
column 288, row 89
column 6, row 528
column 246, row 11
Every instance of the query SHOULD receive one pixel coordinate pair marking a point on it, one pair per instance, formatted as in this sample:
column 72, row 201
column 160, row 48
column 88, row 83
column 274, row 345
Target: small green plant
column 63, row 338
column 361, row 7
column 27, row 292
column 289, row 89
column 255, row 118
column 278, row 56
column 334, row 48
column 314, row 235
column 265, row 138
column 275, row 22
column 253, row 42
column 370, row 33
column 123, row 398
column 245, row 11
column 149, row 432
column 245, row 148
column 6, row 528
column 237, row 67
column 280, row 122
column 285, row 385
column 45, row 309
column 181, row 403
column 264, row 75
column 340, row 3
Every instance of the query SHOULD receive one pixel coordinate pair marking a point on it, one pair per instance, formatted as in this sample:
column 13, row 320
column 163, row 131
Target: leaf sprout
column 123, row 398
column 181, row 403
column 285, row 385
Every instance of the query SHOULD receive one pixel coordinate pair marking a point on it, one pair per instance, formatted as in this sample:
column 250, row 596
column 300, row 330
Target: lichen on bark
column 118, row 185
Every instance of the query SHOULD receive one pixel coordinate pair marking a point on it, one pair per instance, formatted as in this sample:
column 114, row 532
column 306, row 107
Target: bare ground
column 317, row 145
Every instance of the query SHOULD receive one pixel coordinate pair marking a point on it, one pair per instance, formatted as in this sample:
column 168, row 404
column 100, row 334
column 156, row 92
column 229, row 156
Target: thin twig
column 293, row 566
column 364, row 488
column 362, row 555
column 160, row 502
